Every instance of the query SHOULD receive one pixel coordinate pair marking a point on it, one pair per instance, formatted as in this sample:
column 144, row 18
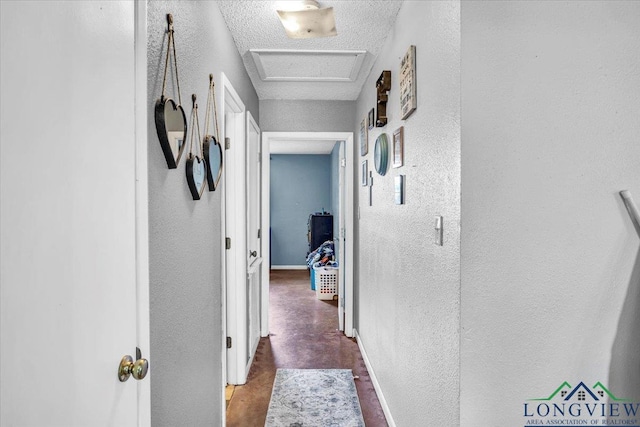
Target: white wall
column 185, row 282
column 306, row 116
column 550, row 259
column 408, row 294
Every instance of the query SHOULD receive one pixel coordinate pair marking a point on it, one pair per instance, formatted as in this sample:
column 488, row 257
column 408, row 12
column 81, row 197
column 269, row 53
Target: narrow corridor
column 304, row 334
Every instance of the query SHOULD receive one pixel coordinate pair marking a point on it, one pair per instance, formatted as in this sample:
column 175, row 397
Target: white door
column 68, row 214
column 341, row 232
column 235, row 226
column 254, row 236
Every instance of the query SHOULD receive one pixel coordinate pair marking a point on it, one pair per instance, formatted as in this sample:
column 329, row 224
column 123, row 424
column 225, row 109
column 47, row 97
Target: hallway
column 303, row 334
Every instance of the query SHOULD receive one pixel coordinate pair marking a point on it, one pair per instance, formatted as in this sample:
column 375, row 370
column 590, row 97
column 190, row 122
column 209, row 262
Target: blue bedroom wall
column 300, row 186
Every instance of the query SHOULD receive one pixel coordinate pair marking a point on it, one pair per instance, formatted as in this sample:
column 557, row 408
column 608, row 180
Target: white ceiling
column 291, row 146
column 332, row 70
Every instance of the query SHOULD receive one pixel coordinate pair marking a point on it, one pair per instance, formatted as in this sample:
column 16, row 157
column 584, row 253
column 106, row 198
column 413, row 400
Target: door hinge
column 227, row 143
column 343, row 163
column 259, row 233
column 228, row 342
column 227, row 242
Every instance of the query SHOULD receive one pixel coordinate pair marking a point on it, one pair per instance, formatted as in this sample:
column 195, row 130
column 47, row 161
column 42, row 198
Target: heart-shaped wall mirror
column 196, row 175
column 211, row 148
column 213, row 156
column 196, row 168
column 171, row 124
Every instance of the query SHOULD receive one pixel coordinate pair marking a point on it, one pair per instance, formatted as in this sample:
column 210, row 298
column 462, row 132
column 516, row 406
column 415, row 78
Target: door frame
column 349, row 183
column 233, row 226
column 257, row 264
column 142, row 208
column 342, row 204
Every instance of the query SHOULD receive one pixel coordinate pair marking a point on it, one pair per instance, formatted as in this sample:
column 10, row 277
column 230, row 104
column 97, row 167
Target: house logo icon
column 582, row 393
column 581, row 405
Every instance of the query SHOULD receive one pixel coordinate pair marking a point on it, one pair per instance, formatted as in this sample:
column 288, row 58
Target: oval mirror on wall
column 381, row 154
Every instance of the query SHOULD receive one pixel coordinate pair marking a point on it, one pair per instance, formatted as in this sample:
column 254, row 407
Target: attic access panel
column 276, row 65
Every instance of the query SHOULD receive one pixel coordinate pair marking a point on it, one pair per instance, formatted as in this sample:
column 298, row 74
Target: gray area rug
column 314, row 398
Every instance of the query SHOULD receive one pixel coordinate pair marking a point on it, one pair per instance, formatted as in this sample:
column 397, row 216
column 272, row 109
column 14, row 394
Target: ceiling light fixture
column 305, row 19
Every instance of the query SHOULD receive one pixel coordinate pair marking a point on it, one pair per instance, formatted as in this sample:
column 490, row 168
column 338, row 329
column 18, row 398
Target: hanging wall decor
column 398, row 147
column 365, row 174
column 196, row 168
column 383, row 86
column 370, row 188
column 371, row 118
column 381, row 154
column 211, row 148
column 364, row 143
column 408, row 102
column 171, row 122
column 398, row 189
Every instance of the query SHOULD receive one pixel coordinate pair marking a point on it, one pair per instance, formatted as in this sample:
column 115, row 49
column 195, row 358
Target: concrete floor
column 304, row 335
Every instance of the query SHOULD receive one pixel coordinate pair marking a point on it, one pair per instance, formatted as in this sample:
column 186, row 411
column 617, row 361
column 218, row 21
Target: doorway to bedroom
column 309, row 175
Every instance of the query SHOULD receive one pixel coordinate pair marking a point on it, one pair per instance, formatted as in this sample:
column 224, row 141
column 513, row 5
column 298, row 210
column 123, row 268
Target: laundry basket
column 312, row 276
column 326, row 282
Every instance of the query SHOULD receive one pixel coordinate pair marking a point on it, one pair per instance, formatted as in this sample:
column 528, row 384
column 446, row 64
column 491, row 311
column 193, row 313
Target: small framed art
column 398, row 147
column 398, row 187
column 371, row 119
column 408, row 102
column 364, row 143
column 365, row 174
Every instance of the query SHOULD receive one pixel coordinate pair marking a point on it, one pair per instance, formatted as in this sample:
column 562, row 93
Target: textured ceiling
column 361, row 24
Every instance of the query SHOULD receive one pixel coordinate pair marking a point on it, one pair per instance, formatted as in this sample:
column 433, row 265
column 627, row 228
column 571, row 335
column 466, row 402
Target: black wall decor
column 211, row 148
column 383, row 86
column 171, row 122
column 196, row 168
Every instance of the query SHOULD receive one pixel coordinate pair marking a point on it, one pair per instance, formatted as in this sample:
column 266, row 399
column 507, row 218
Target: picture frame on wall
column 398, row 147
column 371, row 119
column 408, row 101
column 364, row 180
column 364, row 143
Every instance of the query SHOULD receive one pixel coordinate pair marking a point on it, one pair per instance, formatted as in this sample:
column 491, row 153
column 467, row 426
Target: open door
column 254, row 237
column 341, row 234
column 235, row 226
column 74, row 263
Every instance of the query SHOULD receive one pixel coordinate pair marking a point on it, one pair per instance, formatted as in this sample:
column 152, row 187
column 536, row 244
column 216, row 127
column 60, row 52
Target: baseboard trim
column 289, row 267
column 374, row 381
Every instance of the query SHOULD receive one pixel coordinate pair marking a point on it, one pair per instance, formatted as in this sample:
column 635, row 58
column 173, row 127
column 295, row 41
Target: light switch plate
column 438, row 230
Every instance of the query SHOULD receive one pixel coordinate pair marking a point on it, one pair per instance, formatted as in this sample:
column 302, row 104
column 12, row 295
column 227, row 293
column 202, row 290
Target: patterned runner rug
column 314, row 398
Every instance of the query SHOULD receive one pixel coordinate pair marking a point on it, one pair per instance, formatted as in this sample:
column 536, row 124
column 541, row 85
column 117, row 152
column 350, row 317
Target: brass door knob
column 128, row 367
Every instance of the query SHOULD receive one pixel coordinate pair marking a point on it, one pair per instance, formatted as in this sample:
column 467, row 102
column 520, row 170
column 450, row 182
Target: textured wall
column 300, row 186
column 306, row 116
column 185, row 288
column 408, row 293
column 550, row 259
